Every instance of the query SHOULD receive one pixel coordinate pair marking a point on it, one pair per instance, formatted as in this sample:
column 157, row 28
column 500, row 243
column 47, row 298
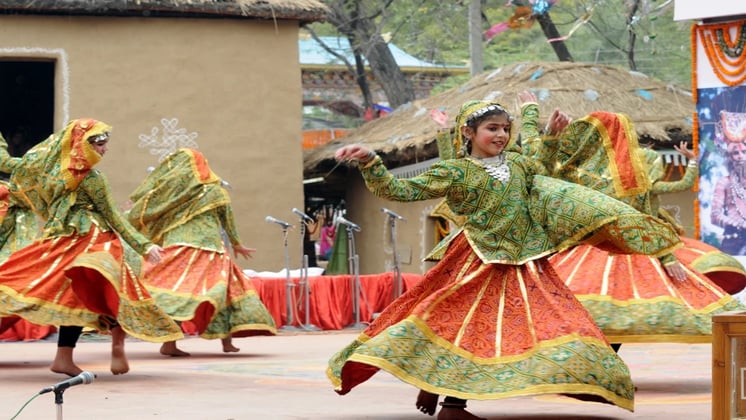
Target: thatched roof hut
column 300, row 10
column 215, row 75
column 662, row 113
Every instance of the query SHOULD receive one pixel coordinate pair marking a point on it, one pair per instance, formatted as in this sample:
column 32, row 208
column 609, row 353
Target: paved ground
column 283, row 377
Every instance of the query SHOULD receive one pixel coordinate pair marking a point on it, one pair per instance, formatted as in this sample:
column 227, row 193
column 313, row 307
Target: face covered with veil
column 52, row 170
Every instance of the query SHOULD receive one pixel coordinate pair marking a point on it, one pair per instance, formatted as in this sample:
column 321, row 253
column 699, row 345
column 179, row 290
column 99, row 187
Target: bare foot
column 447, row 413
column 119, row 364
column 228, row 346
column 169, row 349
column 63, row 362
column 427, row 402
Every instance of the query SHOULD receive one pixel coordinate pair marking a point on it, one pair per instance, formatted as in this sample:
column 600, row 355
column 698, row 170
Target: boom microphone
column 83, row 378
column 391, row 213
column 279, row 222
column 348, row 223
column 303, row 216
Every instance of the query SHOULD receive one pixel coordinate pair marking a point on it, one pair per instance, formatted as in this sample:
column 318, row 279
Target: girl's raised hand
column 681, row 148
column 440, row 117
column 350, row 152
column 527, row 96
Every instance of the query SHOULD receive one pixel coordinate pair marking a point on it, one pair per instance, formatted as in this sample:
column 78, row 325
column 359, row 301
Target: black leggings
column 68, row 335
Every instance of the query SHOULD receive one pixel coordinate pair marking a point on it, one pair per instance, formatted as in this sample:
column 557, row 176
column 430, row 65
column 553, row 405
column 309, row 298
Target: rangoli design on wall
column 168, row 138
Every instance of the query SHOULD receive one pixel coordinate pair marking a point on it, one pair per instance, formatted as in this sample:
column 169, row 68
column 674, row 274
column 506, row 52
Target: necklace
column 738, row 192
column 496, row 167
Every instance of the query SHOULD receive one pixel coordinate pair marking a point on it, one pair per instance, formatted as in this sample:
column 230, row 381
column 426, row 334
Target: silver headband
column 489, row 108
column 99, row 138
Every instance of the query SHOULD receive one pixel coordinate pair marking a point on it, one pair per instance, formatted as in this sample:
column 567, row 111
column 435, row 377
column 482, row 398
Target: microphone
column 348, row 223
column 302, row 215
column 83, row 378
column 279, row 222
column 391, row 213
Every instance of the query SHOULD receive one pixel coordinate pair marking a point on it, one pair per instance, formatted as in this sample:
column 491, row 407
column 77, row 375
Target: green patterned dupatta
column 178, row 189
column 47, row 176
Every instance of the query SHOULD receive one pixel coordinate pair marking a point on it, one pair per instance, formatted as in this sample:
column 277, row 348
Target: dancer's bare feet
column 447, row 413
column 427, row 402
column 169, row 349
column 63, row 362
column 455, row 409
column 228, row 346
column 119, row 364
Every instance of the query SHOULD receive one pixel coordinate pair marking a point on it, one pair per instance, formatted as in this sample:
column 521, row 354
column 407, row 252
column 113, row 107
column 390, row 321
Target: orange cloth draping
column 330, row 298
column 18, row 329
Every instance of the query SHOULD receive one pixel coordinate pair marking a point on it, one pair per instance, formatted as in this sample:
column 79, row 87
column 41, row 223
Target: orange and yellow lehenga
column 182, row 206
column 76, row 273
column 630, row 296
column 493, row 319
column 18, row 227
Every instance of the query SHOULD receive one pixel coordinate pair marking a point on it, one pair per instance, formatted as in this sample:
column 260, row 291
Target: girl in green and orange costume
column 18, row 227
column 182, row 206
column 76, row 274
column 631, row 297
column 492, row 319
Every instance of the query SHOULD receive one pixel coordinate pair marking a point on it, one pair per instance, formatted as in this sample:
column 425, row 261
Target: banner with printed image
column 719, row 89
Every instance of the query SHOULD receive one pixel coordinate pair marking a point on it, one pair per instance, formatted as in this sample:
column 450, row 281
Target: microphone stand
column 289, row 285
column 58, row 402
column 303, row 283
column 353, row 263
column 397, row 270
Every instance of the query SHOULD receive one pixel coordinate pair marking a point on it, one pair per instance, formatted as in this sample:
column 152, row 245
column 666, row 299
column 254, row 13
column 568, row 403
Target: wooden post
column 729, row 365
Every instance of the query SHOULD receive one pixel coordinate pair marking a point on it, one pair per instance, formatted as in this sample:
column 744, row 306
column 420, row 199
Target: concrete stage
column 283, row 377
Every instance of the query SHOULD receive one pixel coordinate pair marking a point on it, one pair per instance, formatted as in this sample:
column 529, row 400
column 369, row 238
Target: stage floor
column 283, row 378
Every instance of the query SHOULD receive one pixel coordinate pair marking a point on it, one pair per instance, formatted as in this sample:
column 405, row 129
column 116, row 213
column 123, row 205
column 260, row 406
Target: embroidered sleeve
column 228, row 221
column 434, row 183
column 97, row 187
column 7, row 162
column 534, row 145
column 685, row 183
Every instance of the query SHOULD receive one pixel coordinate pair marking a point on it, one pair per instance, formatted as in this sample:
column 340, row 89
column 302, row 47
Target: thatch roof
column 662, row 113
column 301, row 10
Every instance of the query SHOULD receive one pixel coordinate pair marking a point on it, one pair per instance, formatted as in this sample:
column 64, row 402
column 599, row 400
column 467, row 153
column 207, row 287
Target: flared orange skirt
column 83, row 281
column 486, row 331
column 632, row 298
column 208, row 293
column 723, row 269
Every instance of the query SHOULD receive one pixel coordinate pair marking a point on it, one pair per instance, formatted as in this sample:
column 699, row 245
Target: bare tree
column 550, row 31
column 358, row 69
column 356, row 19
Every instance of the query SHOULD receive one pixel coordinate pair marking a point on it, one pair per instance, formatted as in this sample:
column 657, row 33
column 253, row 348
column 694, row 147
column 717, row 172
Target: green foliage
column 438, row 32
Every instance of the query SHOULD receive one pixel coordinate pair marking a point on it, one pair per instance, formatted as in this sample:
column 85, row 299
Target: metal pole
column 354, row 265
column 397, row 270
column 305, row 287
column 290, row 320
column 58, row 402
